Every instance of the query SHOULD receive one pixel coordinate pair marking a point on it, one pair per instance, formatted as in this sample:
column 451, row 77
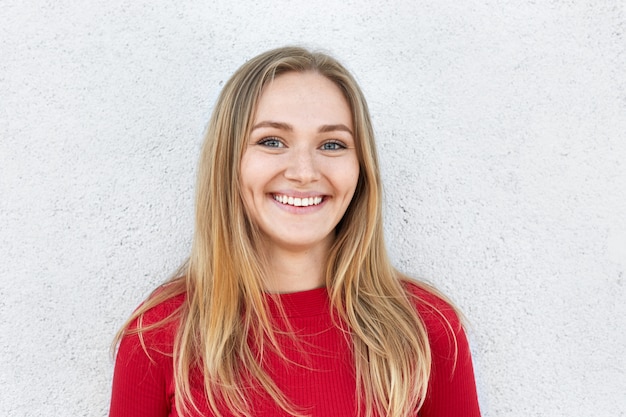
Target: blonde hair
column 223, row 279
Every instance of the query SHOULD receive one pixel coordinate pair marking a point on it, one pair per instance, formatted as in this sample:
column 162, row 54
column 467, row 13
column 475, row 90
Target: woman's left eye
column 333, row 146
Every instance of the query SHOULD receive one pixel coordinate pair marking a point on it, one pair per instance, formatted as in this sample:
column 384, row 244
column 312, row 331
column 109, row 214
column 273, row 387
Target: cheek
column 249, row 173
column 250, row 209
column 353, row 177
column 354, row 180
column 344, row 175
column 246, row 184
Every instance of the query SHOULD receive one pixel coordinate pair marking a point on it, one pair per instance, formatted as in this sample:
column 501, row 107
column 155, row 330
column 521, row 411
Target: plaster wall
column 501, row 129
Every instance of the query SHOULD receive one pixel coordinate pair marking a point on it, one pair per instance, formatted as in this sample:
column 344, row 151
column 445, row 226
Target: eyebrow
column 289, row 128
column 276, row 125
column 334, row 128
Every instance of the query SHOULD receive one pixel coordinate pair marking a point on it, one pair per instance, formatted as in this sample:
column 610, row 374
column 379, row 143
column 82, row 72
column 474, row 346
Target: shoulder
column 154, row 329
column 143, row 374
column 451, row 385
column 160, row 309
column 430, row 302
column 441, row 319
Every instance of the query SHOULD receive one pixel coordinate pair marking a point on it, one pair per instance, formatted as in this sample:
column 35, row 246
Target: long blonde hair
column 223, row 278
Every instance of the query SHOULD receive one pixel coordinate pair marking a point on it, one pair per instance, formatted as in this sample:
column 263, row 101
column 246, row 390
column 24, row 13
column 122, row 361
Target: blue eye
column 271, row 143
column 333, row 146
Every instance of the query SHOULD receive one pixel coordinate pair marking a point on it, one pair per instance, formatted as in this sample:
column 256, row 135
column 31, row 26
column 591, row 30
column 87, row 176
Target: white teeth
column 297, row 201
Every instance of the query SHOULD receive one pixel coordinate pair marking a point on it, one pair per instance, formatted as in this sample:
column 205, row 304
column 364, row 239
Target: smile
column 297, row 201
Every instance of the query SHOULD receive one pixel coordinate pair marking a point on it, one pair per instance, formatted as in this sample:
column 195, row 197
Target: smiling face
column 299, row 169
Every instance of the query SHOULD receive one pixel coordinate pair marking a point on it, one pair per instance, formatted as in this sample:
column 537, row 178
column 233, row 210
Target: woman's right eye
column 271, row 142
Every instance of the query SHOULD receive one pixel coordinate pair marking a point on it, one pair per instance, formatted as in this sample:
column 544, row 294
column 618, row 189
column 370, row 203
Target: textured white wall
column 502, row 134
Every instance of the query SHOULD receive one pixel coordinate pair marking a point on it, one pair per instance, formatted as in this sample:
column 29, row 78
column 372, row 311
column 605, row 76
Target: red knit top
column 320, row 381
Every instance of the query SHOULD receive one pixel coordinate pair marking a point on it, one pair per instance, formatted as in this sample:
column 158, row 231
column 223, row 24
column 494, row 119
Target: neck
column 297, row 270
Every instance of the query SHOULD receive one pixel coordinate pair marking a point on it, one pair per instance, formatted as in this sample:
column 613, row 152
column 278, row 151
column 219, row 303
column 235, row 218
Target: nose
column 302, row 166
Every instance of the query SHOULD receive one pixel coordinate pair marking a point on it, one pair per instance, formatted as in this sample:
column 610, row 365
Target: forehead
column 303, row 96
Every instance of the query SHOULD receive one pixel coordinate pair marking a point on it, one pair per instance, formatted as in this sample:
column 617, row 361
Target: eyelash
column 337, row 145
column 265, row 142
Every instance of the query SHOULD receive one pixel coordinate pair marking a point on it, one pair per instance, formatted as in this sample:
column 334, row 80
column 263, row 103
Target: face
column 300, row 169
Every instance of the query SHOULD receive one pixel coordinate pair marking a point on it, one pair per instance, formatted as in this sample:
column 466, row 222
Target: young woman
column 288, row 305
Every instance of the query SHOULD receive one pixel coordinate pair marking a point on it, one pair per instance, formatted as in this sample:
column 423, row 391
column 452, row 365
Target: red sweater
column 324, row 387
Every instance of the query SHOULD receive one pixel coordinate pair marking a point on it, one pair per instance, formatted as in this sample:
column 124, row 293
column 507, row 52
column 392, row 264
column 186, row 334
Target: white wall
column 502, row 135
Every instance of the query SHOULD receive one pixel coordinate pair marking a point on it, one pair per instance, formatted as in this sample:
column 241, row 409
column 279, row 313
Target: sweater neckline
column 299, row 304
